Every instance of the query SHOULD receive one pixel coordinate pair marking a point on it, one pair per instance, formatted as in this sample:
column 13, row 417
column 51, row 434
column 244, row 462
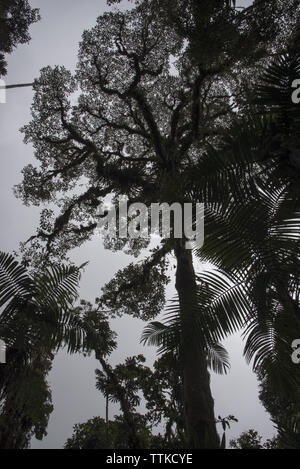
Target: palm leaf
column 57, row 286
column 38, row 310
column 218, row 359
column 14, row 280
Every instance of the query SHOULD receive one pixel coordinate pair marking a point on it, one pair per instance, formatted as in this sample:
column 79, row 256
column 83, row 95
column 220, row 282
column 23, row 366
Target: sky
column 55, row 42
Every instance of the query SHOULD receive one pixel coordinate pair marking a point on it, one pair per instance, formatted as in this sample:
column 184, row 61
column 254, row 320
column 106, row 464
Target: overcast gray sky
column 54, row 42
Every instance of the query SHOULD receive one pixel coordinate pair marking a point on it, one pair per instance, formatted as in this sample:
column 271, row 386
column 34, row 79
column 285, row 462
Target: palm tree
column 252, row 235
column 42, row 303
column 37, row 318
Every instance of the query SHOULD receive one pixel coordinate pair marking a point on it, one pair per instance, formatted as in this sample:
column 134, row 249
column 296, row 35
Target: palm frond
column 166, row 337
column 275, row 91
column 38, row 309
column 218, row 359
column 224, row 304
column 57, row 286
column 14, row 280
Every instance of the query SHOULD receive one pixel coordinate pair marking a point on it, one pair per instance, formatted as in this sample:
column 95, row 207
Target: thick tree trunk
column 198, row 401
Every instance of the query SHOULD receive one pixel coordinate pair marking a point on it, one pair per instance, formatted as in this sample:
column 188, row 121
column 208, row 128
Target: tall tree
column 149, row 108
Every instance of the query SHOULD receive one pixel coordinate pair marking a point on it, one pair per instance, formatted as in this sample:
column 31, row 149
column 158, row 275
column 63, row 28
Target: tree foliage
column 162, row 116
column 284, row 411
column 252, row 440
column 127, row 384
column 38, row 318
column 161, row 388
column 25, row 399
column 15, row 18
column 93, row 435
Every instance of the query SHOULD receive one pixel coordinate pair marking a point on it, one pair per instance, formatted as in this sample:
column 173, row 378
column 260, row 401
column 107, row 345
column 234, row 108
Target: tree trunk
column 107, row 423
column 198, row 401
